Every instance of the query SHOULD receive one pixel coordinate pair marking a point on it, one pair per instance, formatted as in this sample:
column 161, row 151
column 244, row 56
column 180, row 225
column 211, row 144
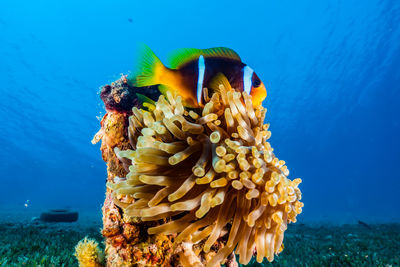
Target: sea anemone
column 88, row 253
column 208, row 173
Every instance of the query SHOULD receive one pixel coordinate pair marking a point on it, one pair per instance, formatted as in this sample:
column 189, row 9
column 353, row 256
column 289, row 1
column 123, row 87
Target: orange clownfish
column 190, row 70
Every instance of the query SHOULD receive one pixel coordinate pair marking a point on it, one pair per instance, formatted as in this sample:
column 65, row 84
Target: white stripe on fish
column 200, row 79
column 247, row 75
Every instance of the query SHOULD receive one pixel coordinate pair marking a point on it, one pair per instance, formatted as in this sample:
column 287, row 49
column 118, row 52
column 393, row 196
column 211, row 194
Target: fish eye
column 256, row 82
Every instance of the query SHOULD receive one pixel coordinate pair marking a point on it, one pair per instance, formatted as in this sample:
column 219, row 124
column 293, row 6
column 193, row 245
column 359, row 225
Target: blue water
column 332, row 70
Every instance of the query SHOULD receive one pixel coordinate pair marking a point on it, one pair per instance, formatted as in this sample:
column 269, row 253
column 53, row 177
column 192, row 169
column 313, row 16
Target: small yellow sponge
column 88, row 253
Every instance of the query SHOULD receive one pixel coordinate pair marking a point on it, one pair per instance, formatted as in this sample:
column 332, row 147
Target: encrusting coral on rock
column 126, row 240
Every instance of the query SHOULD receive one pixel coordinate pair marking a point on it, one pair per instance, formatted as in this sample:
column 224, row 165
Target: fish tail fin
column 147, row 69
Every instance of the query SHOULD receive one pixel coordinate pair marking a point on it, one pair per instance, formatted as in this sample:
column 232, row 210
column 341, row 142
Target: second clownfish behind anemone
column 190, row 70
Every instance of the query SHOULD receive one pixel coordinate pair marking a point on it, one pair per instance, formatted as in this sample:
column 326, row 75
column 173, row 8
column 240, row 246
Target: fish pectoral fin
column 182, row 56
column 218, row 80
column 147, row 68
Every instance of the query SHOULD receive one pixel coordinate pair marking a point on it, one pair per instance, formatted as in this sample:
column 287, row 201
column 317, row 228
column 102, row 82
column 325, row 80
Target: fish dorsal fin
column 217, row 80
column 183, row 56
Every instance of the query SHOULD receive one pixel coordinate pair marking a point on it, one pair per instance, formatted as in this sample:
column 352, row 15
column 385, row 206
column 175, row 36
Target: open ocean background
column 332, row 71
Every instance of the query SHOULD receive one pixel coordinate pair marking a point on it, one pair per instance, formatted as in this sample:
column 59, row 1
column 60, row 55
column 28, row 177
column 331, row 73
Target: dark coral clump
column 119, row 96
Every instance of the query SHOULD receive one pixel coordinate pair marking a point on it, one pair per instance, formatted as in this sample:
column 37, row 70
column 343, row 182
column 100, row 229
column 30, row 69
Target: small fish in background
column 26, row 203
column 191, row 69
column 130, row 20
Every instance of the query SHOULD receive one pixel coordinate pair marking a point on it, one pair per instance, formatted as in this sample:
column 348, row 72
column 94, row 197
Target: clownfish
column 190, row 70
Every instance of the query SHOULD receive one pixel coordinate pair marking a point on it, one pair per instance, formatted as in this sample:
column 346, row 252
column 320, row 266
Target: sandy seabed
column 24, row 242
